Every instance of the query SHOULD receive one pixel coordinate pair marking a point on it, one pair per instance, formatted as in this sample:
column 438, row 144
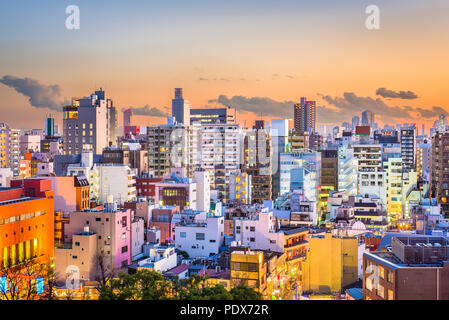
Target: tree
column 245, row 293
column 21, row 281
column 143, row 285
column 151, row 285
column 105, row 273
column 184, row 254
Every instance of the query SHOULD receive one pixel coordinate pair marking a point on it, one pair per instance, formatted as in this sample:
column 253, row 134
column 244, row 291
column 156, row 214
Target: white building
column 158, row 258
column 137, row 236
column 259, row 232
column 300, row 170
column 106, row 179
column 202, row 180
column 200, row 239
column 371, row 177
column 30, row 143
column 221, row 153
column 347, row 171
column 5, row 176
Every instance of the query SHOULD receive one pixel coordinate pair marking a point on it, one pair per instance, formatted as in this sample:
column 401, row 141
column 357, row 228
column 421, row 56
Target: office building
column 258, row 156
column 440, row 167
column 408, row 148
column 368, row 118
column 305, row 116
column 180, row 108
column 88, row 124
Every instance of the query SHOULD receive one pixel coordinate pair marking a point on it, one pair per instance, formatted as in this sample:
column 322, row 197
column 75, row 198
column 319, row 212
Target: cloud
column 350, row 105
column 432, row 113
column 39, row 95
column 335, row 110
column 258, row 105
column 214, row 79
column 148, row 111
column 407, row 95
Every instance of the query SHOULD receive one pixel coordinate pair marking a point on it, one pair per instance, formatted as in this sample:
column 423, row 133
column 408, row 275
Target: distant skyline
column 257, row 55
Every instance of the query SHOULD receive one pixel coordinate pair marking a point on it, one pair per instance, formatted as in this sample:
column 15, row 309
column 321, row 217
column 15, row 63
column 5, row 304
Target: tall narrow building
column 305, row 116
column 440, row 168
column 127, row 114
column 258, row 155
column 88, row 124
column 408, row 148
column 368, row 118
column 180, row 108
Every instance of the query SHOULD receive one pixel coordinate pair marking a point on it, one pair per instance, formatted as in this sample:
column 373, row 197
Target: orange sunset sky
column 272, row 51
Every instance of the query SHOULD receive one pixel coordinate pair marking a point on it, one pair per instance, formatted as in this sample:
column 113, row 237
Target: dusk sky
column 255, row 55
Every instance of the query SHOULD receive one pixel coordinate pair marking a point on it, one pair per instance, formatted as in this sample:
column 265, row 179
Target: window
column 253, row 229
column 368, row 284
column 252, row 239
column 390, row 294
column 74, row 257
column 390, row 276
column 381, row 291
column 77, row 244
column 97, row 219
column 182, row 234
column 381, row 272
column 200, row 236
column 212, row 240
column 124, row 249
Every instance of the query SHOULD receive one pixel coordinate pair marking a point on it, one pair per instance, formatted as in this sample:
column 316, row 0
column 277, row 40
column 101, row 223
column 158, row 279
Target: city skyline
column 398, row 71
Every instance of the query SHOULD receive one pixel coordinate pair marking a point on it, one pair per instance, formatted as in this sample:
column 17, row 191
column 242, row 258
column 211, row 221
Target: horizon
column 251, row 55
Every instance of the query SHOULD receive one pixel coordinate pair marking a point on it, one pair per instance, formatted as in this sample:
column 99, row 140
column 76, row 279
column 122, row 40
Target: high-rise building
column 329, row 169
column 347, row 171
column 3, row 145
column 440, row 168
column 355, row 122
column 180, row 108
column 258, row 152
column 305, row 116
column 368, row 118
column 393, row 168
column 371, row 177
column 127, row 114
column 173, row 145
column 10, row 148
column 88, row 124
column 49, row 127
column 279, row 137
column 221, row 153
column 423, row 160
column 408, row 148
column 301, row 170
